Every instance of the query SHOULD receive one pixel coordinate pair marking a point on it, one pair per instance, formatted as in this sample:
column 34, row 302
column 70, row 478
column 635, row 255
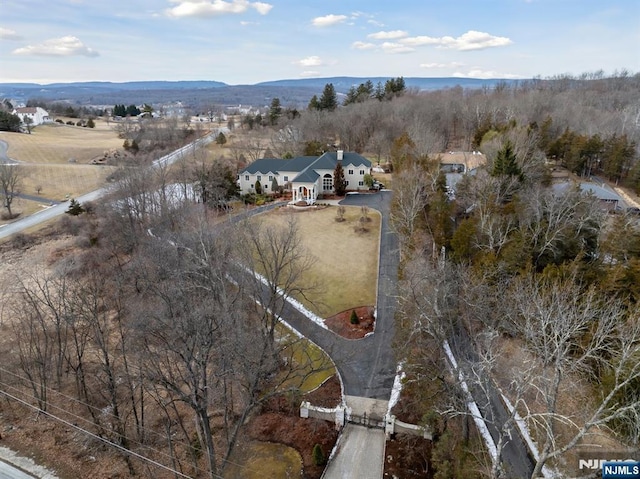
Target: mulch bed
column 280, row 422
column 341, row 323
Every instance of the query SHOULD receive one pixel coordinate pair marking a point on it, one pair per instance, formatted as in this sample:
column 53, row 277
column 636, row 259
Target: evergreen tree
column 379, row 92
column 318, row 455
column 314, row 104
column 506, row 163
column 91, row 123
column 275, row 111
column 258, row 187
column 394, row 87
column 354, row 317
column 274, row 185
column 75, row 208
column 329, row 99
column 221, row 139
column 9, row 122
column 313, row 148
column 339, row 184
column 132, row 110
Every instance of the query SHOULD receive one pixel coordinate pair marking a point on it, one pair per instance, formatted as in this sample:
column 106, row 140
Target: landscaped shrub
column 318, row 455
column 354, row 317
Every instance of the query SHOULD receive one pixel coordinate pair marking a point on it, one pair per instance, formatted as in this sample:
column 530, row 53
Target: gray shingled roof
column 265, row 165
column 299, row 163
column 307, row 176
column 305, row 165
column 348, row 158
column 590, row 188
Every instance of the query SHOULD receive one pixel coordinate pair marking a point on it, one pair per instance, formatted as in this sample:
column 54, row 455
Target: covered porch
column 307, row 192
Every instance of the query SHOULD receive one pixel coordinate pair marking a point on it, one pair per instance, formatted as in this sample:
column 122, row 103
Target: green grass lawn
column 265, row 460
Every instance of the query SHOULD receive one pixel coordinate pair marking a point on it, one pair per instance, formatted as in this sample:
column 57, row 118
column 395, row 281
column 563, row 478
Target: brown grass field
column 56, row 158
column 346, row 266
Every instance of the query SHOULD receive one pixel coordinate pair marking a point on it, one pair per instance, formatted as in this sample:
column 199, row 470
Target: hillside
column 292, row 92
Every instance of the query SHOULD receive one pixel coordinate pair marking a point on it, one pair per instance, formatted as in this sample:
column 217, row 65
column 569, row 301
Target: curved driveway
column 367, row 366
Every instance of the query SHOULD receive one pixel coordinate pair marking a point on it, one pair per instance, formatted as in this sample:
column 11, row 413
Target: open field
column 55, row 143
column 54, row 162
column 346, row 266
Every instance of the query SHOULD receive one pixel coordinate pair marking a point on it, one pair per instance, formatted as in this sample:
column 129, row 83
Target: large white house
column 37, row 115
column 308, row 177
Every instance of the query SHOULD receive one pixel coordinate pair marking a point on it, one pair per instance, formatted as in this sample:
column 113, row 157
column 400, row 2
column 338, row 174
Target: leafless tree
column 10, row 179
column 409, row 200
column 576, row 335
column 278, row 255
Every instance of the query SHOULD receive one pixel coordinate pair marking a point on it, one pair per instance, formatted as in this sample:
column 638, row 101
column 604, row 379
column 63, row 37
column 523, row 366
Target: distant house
column 607, row 198
column 456, row 164
column 308, row 177
column 38, row 115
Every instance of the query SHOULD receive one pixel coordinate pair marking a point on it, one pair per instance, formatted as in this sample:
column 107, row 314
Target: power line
column 101, row 411
column 95, row 436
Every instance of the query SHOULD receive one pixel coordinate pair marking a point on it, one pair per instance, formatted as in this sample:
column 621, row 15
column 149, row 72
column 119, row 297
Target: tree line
column 152, row 330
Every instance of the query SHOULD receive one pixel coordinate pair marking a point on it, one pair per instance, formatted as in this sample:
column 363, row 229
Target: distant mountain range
column 204, row 94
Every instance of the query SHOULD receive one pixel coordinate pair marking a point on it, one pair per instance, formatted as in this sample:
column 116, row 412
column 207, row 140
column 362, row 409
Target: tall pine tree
column 339, row 184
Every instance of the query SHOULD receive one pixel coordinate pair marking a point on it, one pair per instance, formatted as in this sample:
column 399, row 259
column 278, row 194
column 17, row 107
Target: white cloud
column 210, row 8
column 362, row 45
column 62, row 47
column 6, row 34
column 328, row 20
column 485, row 74
column 312, row 61
column 391, row 35
column 472, row 40
column 375, row 23
column 421, row 40
column 391, row 47
column 441, row 65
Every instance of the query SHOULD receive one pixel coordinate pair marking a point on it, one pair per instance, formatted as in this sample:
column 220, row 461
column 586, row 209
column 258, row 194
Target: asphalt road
column 7, row 471
column 350, row 463
column 515, row 454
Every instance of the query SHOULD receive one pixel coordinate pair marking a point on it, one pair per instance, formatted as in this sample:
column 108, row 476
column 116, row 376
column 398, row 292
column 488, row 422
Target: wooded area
column 149, row 334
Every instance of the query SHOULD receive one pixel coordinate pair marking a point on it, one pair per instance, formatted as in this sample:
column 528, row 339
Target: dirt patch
column 341, row 323
column 407, row 457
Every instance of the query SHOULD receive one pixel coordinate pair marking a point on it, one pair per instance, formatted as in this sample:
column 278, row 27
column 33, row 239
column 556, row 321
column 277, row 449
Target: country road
column 13, row 466
column 9, row 229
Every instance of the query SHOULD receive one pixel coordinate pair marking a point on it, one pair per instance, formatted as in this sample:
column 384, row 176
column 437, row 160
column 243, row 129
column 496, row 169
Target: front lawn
column 346, row 261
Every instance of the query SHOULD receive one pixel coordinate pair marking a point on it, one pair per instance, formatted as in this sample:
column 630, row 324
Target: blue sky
column 245, row 42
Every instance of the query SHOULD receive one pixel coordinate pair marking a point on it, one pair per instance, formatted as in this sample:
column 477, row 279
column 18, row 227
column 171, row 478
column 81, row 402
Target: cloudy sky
column 245, row 42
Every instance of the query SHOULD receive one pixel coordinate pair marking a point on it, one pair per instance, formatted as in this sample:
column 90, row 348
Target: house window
column 327, row 182
column 346, row 183
column 270, row 178
column 286, row 179
column 362, row 173
column 246, row 177
column 259, row 178
column 351, row 172
column 360, row 183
